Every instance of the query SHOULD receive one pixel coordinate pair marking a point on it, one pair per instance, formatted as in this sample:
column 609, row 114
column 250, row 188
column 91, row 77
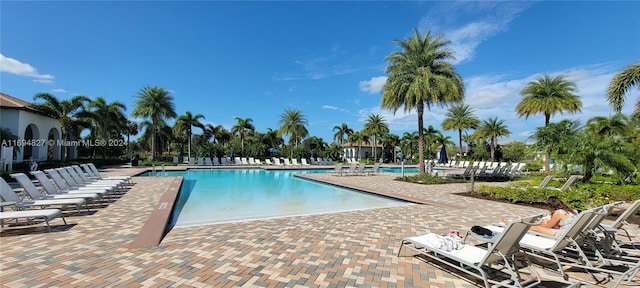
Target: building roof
column 12, row 102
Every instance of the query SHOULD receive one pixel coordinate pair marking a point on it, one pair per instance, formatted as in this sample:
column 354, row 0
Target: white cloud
column 374, row 85
column 488, row 19
column 13, row 66
column 59, row 90
column 329, row 107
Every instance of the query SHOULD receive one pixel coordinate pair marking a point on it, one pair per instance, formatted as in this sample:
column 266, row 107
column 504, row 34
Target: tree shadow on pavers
column 12, row 229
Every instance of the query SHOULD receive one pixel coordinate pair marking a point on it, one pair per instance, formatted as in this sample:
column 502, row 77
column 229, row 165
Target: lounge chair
column 621, row 224
column 352, row 170
column 44, row 214
column 304, row 162
column 200, row 161
column 192, row 161
column 567, row 184
column 258, row 162
column 276, row 161
column 63, row 185
column 480, row 262
column 252, row 161
column 547, row 179
column 34, row 192
column 81, row 178
column 375, row 169
column 7, row 194
column 337, row 170
column 90, row 178
column 50, row 190
column 96, row 173
column 268, row 161
column 294, row 162
column 76, row 182
column 237, row 161
column 286, row 162
column 566, row 250
column 243, row 161
column 175, row 160
column 207, row 161
column 216, row 162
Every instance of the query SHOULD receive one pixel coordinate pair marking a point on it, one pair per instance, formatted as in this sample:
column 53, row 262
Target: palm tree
column 548, row 95
column 108, row 118
column 419, row 75
column 557, row 138
column 389, row 143
column 375, row 126
column 593, row 153
column 460, row 117
column 272, row 139
column 185, row 123
column 343, row 131
column 430, row 133
column 493, row 129
column 603, row 127
column 409, row 143
column 443, row 140
column 66, row 112
column 293, row 123
column 241, row 128
column 132, row 130
column 358, row 137
column 621, row 84
column 155, row 103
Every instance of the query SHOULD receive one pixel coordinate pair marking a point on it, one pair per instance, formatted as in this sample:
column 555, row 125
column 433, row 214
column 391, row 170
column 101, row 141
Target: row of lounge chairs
column 587, row 244
column 481, row 164
column 70, row 186
column 355, row 169
column 500, row 173
column 215, row 161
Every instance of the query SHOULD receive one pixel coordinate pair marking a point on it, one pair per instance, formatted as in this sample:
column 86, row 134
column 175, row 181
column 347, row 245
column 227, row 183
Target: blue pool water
column 399, row 169
column 210, row 196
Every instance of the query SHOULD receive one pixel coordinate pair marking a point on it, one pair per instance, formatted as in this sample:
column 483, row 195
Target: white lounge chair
column 44, row 214
column 304, row 162
column 294, row 162
column 477, row 261
column 200, row 161
column 192, row 161
column 243, row 161
column 81, row 178
column 51, row 190
column 207, row 161
column 252, row 161
column 216, row 162
column 96, row 173
column 7, row 194
column 555, row 250
column 76, row 182
column 175, row 160
column 622, row 224
column 286, row 162
column 34, row 192
column 64, row 186
column 268, row 161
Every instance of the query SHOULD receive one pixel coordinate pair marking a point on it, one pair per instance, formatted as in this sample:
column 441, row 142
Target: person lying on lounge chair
column 560, row 217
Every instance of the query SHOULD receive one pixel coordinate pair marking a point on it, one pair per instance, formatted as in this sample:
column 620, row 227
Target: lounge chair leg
column 47, row 222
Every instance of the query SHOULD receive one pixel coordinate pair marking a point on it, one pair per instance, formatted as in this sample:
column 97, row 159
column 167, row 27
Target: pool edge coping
column 155, row 228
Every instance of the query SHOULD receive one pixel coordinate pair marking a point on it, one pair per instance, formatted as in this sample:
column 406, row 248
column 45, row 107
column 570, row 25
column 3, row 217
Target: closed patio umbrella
column 443, row 155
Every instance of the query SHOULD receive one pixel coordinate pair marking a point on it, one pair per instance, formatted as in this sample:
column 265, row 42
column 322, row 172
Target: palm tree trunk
column 189, row 136
column 420, row 109
column 493, row 148
column 373, row 148
column 547, row 167
column 460, row 141
column 153, row 142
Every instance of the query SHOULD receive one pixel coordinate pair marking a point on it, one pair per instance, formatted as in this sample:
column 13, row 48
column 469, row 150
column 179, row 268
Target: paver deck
column 349, row 249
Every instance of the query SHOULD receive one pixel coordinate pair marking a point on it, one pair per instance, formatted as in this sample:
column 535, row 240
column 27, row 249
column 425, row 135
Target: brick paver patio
column 350, row 249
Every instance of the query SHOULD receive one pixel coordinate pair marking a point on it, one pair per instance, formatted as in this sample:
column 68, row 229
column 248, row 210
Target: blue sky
column 256, row 59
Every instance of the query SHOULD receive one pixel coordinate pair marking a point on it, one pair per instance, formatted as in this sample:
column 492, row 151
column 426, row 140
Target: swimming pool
column 399, row 169
column 210, row 196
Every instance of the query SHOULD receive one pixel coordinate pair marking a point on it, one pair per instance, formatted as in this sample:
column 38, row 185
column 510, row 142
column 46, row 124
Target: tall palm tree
column 156, row 104
column 420, row 75
column 342, row 132
column 375, row 126
column 66, row 112
column 241, row 128
column 108, row 117
column 293, row 123
column 493, row 128
column 185, row 123
column 460, row 117
column 389, row 143
column 548, row 95
column 621, row 84
column 358, row 137
column 409, row 143
column 272, row 139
